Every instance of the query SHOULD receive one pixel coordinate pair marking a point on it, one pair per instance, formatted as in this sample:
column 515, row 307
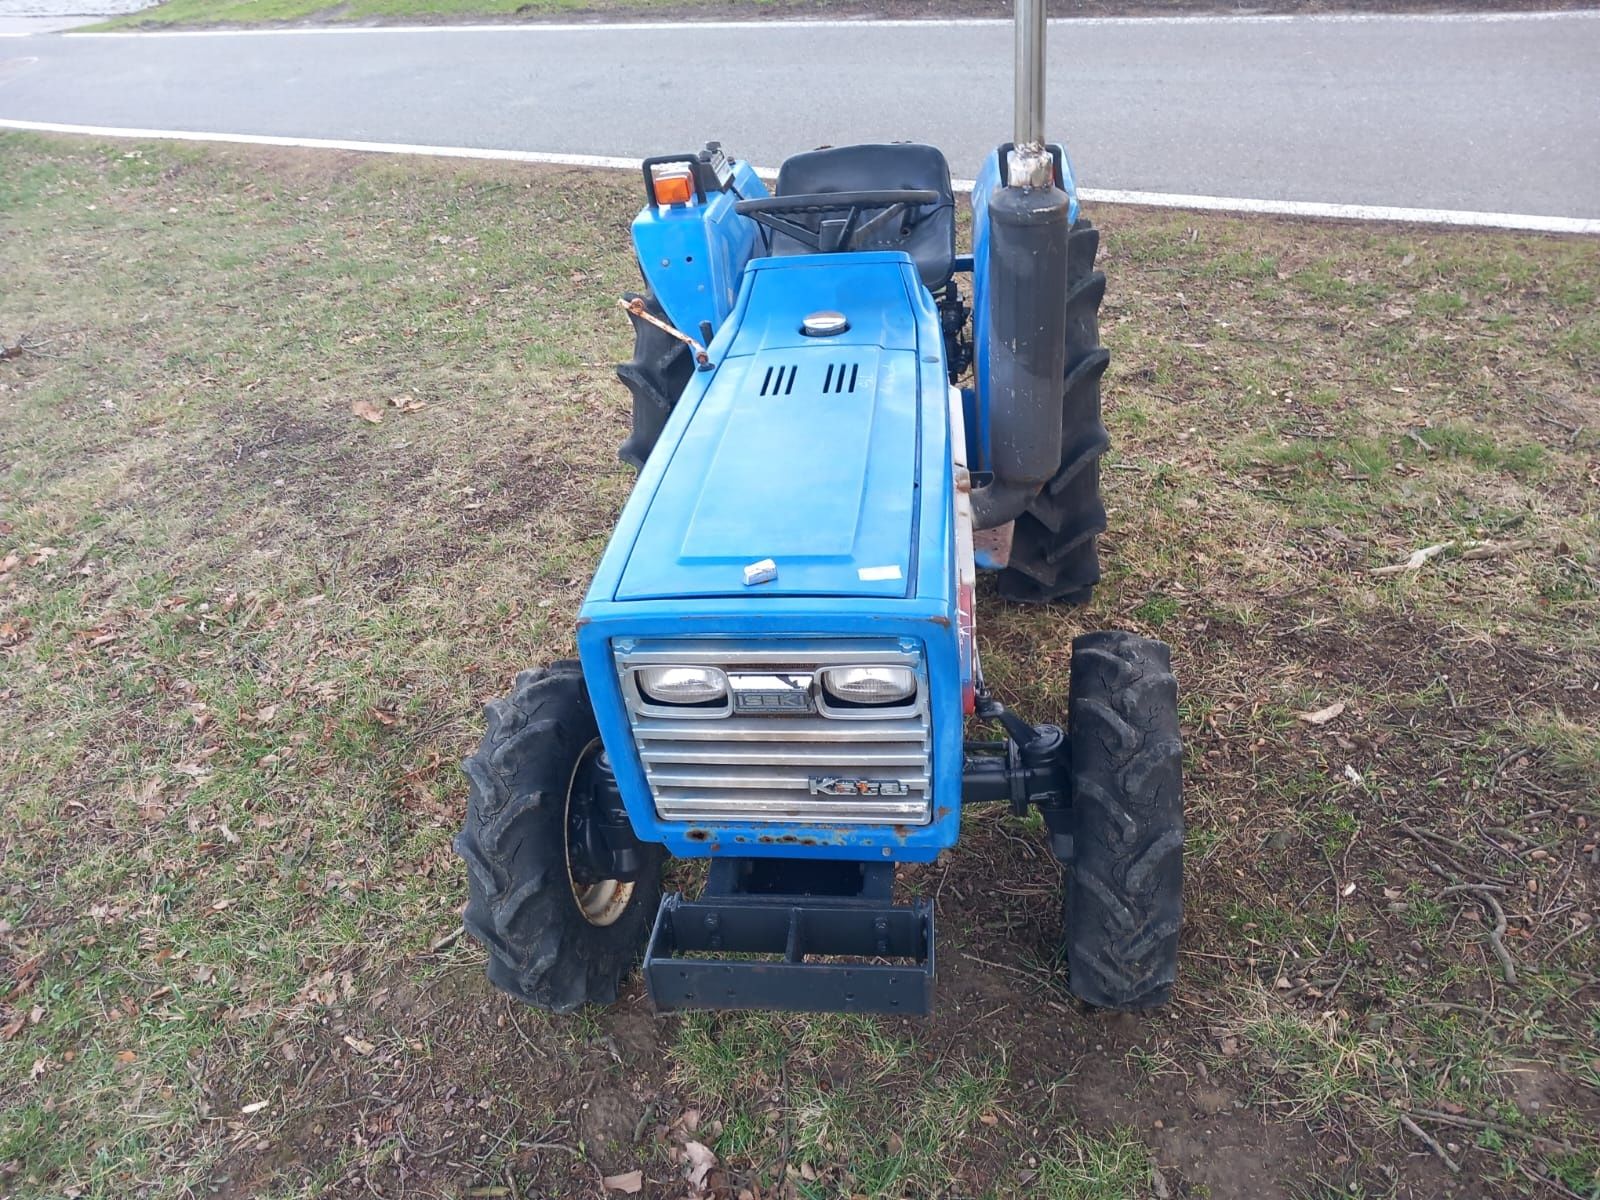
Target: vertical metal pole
column 1030, row 27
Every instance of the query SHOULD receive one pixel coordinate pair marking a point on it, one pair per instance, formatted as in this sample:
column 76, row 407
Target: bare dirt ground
column 302, row 456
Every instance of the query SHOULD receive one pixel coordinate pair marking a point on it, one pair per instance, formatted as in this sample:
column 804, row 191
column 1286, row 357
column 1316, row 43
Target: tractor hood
column 803, row 450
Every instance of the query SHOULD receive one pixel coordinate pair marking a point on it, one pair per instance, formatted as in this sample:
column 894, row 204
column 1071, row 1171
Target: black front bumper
column 793, row 935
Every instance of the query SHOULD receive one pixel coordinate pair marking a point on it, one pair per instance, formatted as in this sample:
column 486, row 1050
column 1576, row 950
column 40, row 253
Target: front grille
column 720, row 766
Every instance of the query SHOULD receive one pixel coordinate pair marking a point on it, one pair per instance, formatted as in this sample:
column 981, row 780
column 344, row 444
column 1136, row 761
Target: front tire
column 551, row 942
column 1124, row 893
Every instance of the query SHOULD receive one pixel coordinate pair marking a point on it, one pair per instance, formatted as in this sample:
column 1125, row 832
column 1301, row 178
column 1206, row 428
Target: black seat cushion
column 931, row 242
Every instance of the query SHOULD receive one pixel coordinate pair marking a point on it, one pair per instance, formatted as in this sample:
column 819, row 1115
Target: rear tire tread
column 1054, row 556
column 656, row 376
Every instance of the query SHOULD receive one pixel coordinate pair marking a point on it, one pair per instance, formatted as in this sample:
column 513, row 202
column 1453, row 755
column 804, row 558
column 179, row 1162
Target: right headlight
column 682, row 685
column 869, row 685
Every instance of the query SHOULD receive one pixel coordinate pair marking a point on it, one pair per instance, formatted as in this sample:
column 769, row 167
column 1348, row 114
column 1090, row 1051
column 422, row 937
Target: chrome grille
column 717, row 766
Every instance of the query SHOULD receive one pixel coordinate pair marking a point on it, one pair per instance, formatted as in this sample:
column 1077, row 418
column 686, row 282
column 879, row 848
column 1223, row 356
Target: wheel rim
column 603, row 901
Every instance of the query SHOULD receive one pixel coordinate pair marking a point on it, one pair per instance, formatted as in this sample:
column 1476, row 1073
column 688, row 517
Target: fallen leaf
column 361, row 1047
column 367, row 411
column 989, row 1119
column 11, row 1029
column 126, row 1056
column 1322, row 715
column 700, row 1161
column 628, row 1181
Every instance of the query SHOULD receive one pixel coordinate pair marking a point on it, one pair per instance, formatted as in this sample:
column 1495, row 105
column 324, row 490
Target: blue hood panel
column 798, row 449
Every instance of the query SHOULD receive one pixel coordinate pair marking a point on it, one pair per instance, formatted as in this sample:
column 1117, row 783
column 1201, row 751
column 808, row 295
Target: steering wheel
column 836, row 233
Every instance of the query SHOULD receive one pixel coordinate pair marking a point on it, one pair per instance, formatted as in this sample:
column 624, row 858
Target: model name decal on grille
column 840, row 785
column 776, row 692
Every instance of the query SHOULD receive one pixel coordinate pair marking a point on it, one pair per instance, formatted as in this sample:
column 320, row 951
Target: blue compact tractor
column 777, row 661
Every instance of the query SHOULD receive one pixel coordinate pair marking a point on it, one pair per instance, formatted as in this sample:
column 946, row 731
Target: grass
column 254, row 12
column 192, row 13
column 245, row 633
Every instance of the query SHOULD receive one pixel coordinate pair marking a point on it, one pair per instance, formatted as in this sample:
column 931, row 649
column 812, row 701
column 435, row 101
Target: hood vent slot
column 779, row 381
column 841, row 378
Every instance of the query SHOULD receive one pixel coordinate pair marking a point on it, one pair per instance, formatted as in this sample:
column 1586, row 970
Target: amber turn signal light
column 674, row 184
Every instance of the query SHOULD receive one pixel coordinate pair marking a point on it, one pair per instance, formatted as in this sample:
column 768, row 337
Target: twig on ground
column 1427, row 447
column 1551, row 1181
column 1476, row 551
column 1432, row 841
column 1415, row 562
column 1337, row 984
column 1486, row 893
column 1469, row 550
column 1572, row 431
column 1444, row 1118
column 1566, row 941
column 1498, row 848
column 1500, row 767
column 1427, row 1139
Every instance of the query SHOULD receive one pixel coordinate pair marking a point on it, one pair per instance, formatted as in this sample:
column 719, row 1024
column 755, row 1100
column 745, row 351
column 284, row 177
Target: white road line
column 1346, row 212
column 691, row 26
column 1291, row 208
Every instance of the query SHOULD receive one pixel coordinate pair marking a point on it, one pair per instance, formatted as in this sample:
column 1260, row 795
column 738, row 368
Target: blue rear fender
column 693, row 255
column 988, row 180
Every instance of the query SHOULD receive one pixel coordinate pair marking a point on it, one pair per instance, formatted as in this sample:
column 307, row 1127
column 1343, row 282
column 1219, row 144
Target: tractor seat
column 931, row 242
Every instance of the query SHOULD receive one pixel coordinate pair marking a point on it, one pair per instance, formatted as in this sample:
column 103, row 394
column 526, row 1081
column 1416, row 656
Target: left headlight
column 682, row 685
column 869, row 685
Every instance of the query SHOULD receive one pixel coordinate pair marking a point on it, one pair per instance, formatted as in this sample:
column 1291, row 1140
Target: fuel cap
column 824, row 324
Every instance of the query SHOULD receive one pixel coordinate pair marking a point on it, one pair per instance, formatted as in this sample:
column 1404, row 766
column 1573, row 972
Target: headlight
column 681, row 685
column 869, row 685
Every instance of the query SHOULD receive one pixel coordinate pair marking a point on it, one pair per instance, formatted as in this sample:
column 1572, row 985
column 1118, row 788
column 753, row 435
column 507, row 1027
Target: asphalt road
column 1484, row 114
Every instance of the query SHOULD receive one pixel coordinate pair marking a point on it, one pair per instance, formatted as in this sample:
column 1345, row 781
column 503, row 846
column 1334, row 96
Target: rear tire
column 655, row 376
column 551, row 943
column 1054, row 555
column 1124, row 893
